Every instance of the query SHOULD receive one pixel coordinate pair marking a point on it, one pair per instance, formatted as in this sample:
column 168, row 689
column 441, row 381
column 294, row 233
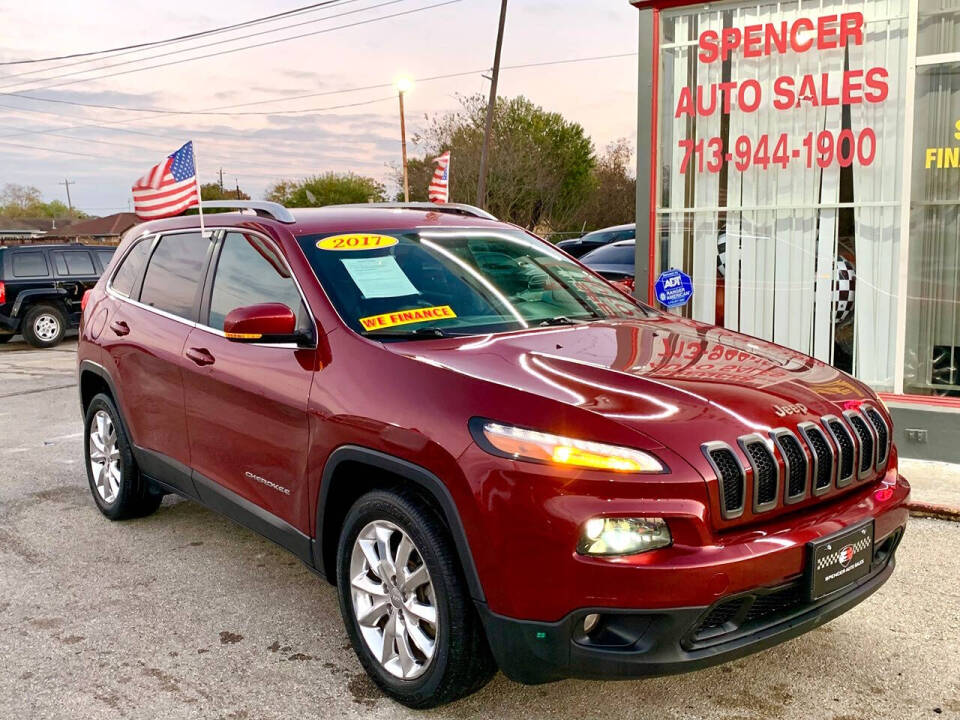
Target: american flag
column 440, row 184
column 168, row 188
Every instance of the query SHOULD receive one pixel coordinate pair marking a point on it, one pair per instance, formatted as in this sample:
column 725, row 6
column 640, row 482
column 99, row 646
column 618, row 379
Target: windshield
column 431, row 283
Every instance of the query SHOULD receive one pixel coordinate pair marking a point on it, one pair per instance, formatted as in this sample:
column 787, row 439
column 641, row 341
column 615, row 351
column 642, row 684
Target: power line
column 179, row 38
column 246, row 47
column 189, row 49
column 377, row 86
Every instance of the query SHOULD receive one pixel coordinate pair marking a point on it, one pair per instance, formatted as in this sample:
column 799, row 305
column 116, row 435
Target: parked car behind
column 41, row 287
column 598, row 238
column 615, row 262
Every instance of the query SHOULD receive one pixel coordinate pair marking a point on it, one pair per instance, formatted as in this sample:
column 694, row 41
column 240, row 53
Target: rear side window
column 29, row 265
column 174, row 274
column 250, row 272
column 73, row 262
column 105, row 256
column 131, row 268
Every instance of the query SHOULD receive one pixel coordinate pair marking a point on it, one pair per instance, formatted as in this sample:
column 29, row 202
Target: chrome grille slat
column 766, row 472
column 823, row 457
column 797, row 475
column 730, row 475
column 883, row 435
column 846, row 449
column 868, row 444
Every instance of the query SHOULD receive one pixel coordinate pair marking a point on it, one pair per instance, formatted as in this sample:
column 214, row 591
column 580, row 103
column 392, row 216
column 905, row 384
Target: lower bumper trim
column 655, row 642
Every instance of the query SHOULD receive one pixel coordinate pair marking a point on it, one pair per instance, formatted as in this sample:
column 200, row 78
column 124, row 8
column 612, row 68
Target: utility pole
column 221, row 181
column 403, row 85
column 67, row 183
column 482, row 181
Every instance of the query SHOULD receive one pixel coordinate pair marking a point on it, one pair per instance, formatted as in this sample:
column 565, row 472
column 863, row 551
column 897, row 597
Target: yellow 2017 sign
column 356, row 241
column 405, row 317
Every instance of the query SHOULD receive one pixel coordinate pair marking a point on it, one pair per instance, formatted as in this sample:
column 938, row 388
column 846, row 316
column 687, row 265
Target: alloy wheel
column 46, row 327
column 394, row 601
column 104, row 455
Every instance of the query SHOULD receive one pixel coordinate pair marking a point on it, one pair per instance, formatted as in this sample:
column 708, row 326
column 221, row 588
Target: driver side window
column 250, row 271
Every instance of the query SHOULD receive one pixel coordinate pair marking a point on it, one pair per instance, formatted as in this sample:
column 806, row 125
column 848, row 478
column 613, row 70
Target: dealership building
column 800, row 161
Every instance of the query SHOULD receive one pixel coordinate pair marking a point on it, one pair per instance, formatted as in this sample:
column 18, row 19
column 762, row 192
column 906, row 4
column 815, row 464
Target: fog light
column 623, row 536
column 590, row 622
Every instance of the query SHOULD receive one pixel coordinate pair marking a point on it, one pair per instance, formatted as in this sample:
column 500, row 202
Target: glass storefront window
column 938, row 27
column 780, row 150
column 932, row 360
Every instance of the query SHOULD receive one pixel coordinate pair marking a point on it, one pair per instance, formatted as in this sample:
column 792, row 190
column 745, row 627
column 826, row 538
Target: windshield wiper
column 420, row 333
column 559, row 320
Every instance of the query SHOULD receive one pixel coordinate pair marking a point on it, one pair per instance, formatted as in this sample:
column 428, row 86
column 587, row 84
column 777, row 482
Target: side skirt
column 173, row 477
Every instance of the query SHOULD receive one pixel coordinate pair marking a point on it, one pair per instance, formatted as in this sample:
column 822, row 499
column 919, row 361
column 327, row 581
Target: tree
column 328, row 188
column 612, row 199
column 540, row 164
column 25, row 201
column 213, row 191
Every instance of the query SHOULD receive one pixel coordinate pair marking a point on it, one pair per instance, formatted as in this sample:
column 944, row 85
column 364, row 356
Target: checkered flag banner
column 834, row 557
column 844, row 287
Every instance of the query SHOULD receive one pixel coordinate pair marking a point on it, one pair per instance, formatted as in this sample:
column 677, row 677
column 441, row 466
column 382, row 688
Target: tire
column 118, row 488
column 460, row 661
column 4, row 339
column 44, row 326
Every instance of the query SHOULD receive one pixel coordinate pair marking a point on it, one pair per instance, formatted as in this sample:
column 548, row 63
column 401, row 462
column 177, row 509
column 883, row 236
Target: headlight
column 533, row 446
column 623, row 536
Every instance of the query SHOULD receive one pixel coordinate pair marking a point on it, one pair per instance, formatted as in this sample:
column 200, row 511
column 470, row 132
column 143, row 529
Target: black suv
column 41, row 287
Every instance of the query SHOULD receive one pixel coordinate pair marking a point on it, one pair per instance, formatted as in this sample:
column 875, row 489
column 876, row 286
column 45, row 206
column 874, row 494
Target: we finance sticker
column 357, row 241
column 406, row 317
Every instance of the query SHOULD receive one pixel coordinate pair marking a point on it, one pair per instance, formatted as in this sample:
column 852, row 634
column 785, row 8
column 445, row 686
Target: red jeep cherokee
column 497, row 458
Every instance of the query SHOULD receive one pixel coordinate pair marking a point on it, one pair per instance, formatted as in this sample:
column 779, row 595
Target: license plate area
column 837, row 561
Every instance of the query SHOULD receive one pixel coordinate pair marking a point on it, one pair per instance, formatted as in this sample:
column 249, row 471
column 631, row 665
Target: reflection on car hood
column 655, row 374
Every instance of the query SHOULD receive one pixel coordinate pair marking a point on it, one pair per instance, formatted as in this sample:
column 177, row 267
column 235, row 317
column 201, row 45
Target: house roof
column 40, row 225
column 115, row 224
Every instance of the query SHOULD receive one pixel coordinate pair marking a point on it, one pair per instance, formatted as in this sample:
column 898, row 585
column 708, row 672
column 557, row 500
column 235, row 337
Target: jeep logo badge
column 784, row 410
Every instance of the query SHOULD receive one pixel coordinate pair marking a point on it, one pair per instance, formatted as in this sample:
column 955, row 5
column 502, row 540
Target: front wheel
column 118, row 488
column 405, row 603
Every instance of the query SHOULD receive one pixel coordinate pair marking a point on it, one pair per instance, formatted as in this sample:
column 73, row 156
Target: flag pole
column 196, row 177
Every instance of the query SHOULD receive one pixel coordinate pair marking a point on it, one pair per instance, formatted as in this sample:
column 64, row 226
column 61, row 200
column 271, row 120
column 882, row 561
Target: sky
column 103, row 150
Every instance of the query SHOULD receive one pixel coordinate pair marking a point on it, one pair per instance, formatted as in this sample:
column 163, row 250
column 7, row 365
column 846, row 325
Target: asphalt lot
column 186, row 615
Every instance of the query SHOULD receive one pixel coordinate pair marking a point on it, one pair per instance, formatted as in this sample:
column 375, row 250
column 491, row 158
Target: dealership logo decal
column 846, row 555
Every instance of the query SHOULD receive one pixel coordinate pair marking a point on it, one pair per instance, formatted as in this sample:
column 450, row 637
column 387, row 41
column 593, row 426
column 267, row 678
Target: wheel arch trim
column 54, row 294
column 420, row 476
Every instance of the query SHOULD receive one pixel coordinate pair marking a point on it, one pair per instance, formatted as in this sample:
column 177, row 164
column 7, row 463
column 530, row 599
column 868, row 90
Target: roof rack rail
column 263, row 208
column 452, row 208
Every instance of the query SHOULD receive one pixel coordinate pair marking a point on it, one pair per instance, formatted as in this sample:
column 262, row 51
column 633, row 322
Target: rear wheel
column 405, row 603
column 118, row 488
column 44, row 326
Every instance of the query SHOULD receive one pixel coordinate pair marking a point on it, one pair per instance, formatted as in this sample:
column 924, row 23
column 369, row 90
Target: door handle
column 201, row 356
column 119, row 327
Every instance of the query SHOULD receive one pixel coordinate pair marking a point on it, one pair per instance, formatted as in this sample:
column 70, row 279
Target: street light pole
column 482, row 181
column 403, row 85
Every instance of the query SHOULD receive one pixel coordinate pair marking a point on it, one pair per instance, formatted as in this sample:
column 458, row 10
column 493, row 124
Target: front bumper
column 636, row 643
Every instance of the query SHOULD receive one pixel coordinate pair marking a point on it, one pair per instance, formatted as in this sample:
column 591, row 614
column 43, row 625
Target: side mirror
column 264, row 323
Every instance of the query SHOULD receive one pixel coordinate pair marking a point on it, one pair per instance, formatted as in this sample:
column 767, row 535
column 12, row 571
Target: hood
column 679, row 382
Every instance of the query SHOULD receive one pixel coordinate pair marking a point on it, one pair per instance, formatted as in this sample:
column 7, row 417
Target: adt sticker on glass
column 379, row 277
column 673, row 288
